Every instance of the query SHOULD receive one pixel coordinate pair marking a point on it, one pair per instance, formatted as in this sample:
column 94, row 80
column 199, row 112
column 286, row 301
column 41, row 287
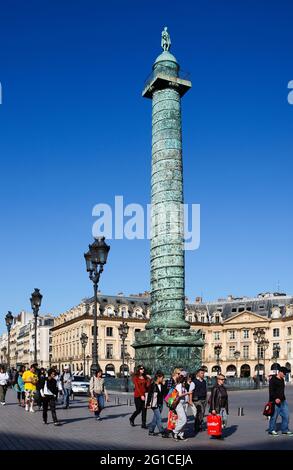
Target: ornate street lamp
column 218, row 350
column 236, row 357
column 95, row 260
column 123, row 333
column 258, row 336
column 84, row 340
column 36, row 300
column 9, row 321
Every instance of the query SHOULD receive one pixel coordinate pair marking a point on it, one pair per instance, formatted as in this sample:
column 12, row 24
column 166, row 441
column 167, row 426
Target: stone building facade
column 22, row 340
column 229, row 322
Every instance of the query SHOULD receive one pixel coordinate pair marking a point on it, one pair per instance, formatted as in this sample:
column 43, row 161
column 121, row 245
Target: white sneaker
column 26, row 407
column 32, row 410
column 2, row 403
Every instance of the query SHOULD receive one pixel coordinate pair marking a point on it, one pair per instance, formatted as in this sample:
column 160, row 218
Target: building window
column 261, row 307
column 190, row 318
column 232, row 334
column 245, row 352
column 203, row 336
column 137, row 330
column 217, row 336
column 289, row 331
column 234, row 310
column 289, row 349
column 217, row 318
column 241, row 309
column 109, row 331
column 248, row 309
column 276, row 353
column 245, row 334
column 202, row 319
column 109, row 351
column 231, row 351
column 93, row 331
column 276, row 332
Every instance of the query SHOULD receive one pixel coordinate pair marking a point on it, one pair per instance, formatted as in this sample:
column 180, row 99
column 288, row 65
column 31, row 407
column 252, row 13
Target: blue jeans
column 101, row 403
column 66, row 394
column 157, row 420
column 283, row 411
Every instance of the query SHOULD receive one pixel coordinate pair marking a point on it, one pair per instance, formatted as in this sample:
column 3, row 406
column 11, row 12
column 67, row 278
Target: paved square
column 20, row 430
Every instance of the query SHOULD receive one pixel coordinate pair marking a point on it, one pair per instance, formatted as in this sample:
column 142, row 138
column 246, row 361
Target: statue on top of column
column 166, row 40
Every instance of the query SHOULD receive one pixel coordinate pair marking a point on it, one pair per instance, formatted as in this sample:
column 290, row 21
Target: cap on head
column 284, row 370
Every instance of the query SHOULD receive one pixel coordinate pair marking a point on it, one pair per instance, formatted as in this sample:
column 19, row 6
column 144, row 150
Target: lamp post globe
column 36, row 301
column 95, row 259
column 9, row 322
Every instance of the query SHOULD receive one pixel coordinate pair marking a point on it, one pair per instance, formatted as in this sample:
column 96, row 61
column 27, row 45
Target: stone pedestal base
column 167, row 348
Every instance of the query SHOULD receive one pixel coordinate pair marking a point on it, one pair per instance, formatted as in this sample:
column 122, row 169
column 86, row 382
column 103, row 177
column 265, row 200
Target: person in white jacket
column 4, row 378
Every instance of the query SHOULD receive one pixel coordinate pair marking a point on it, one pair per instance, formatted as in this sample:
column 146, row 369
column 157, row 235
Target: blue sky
column 74, row 132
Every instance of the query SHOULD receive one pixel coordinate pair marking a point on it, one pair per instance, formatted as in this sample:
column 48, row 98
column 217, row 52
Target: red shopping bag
column 214, row 425
column 172, row 419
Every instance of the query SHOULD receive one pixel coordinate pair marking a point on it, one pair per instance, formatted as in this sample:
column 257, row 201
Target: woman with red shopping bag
column 218, row 407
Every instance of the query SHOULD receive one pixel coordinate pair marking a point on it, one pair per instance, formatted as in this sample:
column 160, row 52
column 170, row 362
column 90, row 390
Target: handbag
column 93, row 404
column 269, row 408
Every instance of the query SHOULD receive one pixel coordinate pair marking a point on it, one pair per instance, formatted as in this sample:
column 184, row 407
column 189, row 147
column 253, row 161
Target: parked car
column 80, row 385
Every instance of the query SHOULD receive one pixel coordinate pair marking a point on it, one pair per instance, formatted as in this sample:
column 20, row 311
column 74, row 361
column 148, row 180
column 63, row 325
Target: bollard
column 240, row 411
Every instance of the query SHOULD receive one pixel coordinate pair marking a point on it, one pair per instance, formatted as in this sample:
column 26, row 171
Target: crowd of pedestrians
column 40, row 388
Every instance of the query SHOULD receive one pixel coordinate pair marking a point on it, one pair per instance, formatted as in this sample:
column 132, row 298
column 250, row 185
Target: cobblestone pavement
column 21, row 430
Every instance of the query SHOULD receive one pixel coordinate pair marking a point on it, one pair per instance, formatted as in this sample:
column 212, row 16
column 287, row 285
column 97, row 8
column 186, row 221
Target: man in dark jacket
column 49, row 392
column 277, row 396
column 199, row 398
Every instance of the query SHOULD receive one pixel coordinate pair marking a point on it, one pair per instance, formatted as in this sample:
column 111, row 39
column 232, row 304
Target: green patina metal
column 168, row 340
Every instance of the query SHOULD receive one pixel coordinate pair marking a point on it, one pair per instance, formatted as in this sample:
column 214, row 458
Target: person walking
column 66, row 381
column 155, row 400
column 30, row 379
column 39, row 399
column 277, row 396
column 219, row 400
column 49, row 393
column 178, row 433
column 199, row 399
column 19, row 387
column 98, row 391
column 189, row 385
column 4, row 379
column 141, row 383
